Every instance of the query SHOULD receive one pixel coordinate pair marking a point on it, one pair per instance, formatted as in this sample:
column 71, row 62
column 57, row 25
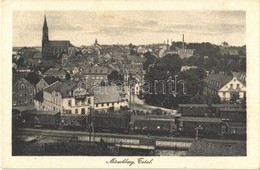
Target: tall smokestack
column 182, row 41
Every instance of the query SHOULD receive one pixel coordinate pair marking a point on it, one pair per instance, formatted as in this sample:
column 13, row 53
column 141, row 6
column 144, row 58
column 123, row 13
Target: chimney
column 183, row 41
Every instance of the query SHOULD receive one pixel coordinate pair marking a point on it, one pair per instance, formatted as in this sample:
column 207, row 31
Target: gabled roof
column 51, row 80
column 55, row 71
column 65, row 88
column 222, row 79
column 17, row 79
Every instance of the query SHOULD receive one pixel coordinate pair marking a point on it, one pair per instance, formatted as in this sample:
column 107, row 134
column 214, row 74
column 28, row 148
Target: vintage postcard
column 130, row 84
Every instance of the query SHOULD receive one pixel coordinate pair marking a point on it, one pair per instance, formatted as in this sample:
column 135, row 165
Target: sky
column 124, row 27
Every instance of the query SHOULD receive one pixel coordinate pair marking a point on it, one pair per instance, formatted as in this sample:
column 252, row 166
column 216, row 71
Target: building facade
column 23, row 92
column 224, row 86
column 67, row 98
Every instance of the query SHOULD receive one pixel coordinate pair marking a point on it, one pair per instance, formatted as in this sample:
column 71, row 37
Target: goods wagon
column 36, row 118
column 194, row 110
column 207, row 126
column 111, row 122
column 236, row 128
column 215, row 108
column 163, row 125
column 72, row 121
column 233, row 114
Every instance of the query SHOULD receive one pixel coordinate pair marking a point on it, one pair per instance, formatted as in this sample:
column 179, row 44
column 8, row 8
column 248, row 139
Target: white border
column 251, row 161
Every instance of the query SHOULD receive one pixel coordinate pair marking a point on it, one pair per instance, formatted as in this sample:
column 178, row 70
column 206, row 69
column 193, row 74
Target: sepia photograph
column 129, row 83
column 131, row 87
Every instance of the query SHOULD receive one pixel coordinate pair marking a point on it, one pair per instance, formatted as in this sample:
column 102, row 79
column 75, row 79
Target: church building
column 54, row 49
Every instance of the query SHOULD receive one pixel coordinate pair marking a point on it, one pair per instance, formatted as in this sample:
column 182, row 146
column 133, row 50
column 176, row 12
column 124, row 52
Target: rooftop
column 65, row 88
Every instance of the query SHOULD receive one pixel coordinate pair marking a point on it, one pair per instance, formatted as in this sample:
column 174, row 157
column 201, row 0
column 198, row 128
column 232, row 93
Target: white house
column 223, row 86
column 68, row 98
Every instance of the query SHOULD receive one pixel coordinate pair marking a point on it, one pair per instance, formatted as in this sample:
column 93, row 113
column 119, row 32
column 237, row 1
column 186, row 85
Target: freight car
column 232, row 114
column 74, row 122
column 236, row 129
column 159, row 125
column 37, row 118
column 207, row 126
column 215, row 108
column 113, row 122
column 194, row 110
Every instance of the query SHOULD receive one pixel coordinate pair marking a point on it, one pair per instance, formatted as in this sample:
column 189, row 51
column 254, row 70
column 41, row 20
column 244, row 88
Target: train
column 207, row 120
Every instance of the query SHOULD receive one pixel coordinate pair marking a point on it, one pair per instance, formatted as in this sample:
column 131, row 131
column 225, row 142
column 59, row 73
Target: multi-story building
column 95, row 75
column 23, row 92
column 107, row 97
column 224, row 86
column 45, row 82
column 67, row 97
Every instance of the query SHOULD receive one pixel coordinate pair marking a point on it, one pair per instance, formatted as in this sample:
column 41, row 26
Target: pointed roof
column 45, row 21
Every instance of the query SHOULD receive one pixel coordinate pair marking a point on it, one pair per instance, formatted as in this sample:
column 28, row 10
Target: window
column 25, row 93
column 20, row 101
column 14, row 102
column 96, row 105
column 231, row 86
column 69, row 102
column 76, row 111
column 107, row 104
column 102, row 104
column 238, row 86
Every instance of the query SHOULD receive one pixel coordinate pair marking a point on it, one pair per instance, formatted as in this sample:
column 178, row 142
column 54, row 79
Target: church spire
column 45, row 34
column 45, row 21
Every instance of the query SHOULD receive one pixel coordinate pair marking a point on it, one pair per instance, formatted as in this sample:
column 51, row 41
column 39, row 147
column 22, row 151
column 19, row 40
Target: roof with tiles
column 51, row 80
column 222, row 79
column 65, row 88
column 56, row 71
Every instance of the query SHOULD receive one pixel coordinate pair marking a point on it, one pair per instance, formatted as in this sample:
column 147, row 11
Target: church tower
column 45, row 36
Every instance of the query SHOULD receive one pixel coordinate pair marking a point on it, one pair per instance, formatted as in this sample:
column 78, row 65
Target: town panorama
column 170, row 98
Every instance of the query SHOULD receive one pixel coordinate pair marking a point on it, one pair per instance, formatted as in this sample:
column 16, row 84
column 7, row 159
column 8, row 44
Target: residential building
column 68, row 98
column 95, row 74
column 106, row 97
column 45, row 82
column 23, row 91
column 223, row 86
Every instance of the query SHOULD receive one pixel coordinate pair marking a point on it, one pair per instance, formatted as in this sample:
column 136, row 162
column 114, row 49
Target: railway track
column 76, row 134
